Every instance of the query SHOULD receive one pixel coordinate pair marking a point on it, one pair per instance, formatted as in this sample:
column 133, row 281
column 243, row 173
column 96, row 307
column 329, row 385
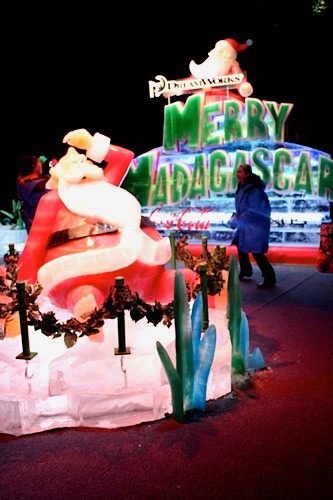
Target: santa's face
column 73, row 168
column 224, row 50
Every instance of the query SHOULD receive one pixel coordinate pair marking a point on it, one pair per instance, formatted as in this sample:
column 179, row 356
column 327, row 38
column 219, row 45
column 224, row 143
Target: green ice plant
column 241, row 359
column 254, row 360
column 234, row 315
column 203, row 353
column 14, row 218
column 181, row 377
column 194, row 355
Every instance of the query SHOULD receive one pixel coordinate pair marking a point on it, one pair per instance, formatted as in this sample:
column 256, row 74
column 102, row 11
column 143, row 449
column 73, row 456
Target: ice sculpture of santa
column 87, row 231
column 222, row 61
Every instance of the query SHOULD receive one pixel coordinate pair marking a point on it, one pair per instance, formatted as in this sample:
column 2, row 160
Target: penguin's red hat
column 238, row 47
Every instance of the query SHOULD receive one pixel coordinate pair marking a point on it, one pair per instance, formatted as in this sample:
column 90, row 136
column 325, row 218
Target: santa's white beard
column 101, row 201
column 211, row 67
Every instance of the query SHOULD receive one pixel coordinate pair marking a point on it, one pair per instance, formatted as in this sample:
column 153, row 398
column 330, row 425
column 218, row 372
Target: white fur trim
column 91, row 262
column 155, row 252
column 99, row 148
column 132, row 246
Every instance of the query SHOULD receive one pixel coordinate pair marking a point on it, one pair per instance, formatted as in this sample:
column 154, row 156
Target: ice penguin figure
column 222, row 61
column 87, row 230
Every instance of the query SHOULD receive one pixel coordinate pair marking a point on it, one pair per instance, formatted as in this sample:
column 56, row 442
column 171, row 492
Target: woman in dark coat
column 252, row 223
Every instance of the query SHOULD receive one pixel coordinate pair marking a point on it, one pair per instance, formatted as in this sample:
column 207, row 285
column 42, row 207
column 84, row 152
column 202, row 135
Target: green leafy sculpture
column 241, row 360
column 203, row 353
column 194, row 355
column 234, row 315
column 15, row 217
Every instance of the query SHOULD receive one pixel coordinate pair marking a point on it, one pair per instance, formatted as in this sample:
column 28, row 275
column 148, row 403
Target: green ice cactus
column 238, row 326
column 234, row 314
column 254, row 360
column 203, row 353
column 194, row 355
column 175, row 383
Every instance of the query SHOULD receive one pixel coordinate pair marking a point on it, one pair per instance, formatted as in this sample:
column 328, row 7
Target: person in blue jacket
column 252, row 225
column 30, row 186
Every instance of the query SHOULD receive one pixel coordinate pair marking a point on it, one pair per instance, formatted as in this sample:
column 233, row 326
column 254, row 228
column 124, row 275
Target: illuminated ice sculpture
column 87, row 230
column 222, row 61
column 80, row 227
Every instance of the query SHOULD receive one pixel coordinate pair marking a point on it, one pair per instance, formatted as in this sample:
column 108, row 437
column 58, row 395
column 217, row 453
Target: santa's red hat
column 238, row 47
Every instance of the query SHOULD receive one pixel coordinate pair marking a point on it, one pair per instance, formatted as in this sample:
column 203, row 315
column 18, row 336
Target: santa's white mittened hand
column 79, row 138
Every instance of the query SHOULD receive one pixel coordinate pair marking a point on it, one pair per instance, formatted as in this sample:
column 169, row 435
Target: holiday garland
column 118, row 300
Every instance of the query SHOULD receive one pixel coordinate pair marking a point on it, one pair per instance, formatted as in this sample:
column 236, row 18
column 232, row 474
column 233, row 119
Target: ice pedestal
column 89, row 385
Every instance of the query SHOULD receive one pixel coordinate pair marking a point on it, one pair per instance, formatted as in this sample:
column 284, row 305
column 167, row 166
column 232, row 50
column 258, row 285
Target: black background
column 74, row 67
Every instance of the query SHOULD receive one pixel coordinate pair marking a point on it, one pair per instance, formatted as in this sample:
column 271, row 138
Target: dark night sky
column 91, row 70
